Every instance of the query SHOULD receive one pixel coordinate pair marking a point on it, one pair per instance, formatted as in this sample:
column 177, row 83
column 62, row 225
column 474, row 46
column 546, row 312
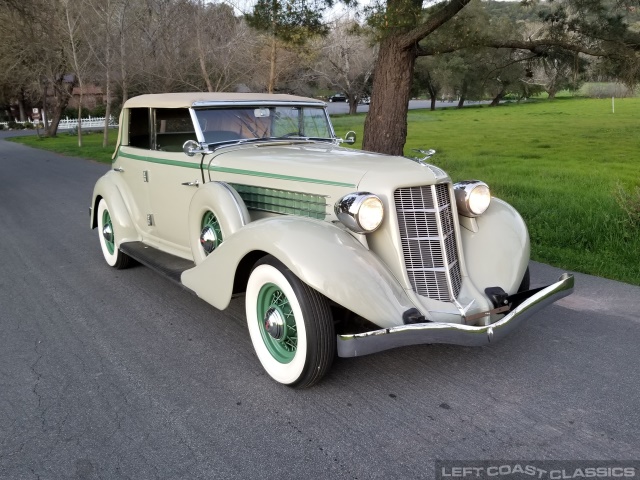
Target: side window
column 173, row 127
column 139, row 128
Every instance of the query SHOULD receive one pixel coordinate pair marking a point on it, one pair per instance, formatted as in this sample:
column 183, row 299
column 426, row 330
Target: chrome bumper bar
column 359, row 344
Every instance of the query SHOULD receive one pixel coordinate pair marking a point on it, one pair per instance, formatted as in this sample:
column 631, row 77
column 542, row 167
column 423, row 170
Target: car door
column 132, row 166
column 173, row 178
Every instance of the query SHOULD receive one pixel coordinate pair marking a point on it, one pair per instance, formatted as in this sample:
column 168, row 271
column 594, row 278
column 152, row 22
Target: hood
column 322, row 164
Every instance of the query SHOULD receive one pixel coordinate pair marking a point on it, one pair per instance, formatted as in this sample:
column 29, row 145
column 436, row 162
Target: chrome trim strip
column 441, row 235
column 269, row 103
column 355, row 345
column 196, row 126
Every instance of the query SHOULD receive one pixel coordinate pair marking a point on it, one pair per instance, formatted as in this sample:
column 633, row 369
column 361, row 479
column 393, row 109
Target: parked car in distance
column 338, row 97
column 336, row 250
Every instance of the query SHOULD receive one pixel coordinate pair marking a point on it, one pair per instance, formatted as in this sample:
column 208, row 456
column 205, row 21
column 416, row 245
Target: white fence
column 72, row 123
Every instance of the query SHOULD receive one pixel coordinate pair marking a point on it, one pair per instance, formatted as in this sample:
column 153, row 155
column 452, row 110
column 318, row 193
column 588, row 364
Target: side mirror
column 350, row 138
column 190, row 147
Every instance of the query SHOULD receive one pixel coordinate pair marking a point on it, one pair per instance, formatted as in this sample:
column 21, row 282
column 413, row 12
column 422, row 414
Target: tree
column 39, row 61
column 291, row 22
column 77, row 51
column 594, row 27
column 218, row 32
column 428, row 75
column 346, row 61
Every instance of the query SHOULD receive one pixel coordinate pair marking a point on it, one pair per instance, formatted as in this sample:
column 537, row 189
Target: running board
column 164, row 263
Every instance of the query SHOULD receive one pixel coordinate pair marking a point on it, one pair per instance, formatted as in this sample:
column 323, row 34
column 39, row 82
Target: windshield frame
column 239, row 104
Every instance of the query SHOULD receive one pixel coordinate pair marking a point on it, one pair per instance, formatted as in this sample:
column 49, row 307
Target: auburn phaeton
column 336, row 250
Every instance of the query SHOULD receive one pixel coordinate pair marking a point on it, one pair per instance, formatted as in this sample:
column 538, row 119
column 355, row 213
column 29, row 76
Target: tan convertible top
column 186, row 100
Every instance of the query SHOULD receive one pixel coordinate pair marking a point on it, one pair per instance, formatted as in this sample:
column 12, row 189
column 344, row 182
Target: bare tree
column 79, row 54
column 346, row 61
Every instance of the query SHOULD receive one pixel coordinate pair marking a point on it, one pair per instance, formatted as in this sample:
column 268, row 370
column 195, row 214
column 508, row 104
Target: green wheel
column 210, row 232
column 290, row 324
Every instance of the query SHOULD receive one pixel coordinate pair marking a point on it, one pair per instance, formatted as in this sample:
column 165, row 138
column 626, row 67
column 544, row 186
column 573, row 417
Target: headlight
column 472, row 197
column 361, row 212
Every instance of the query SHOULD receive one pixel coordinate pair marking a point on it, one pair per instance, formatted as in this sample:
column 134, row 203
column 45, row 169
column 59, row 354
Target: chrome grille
column 427, row 232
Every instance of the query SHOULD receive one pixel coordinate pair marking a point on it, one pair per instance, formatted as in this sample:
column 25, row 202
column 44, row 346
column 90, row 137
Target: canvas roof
column 185, row 100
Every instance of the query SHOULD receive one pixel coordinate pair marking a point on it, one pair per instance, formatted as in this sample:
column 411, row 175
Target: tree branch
column 435, row 21
column 538, row 47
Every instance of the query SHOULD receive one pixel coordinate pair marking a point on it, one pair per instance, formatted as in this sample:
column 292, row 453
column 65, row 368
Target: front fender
column 322, row 255
column 110, row 187
column 497, row 254
column 225, row 203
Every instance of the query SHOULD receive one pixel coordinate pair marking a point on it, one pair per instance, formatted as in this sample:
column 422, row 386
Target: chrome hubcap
column 274, row 323
column 107, row 232
column 208, row 239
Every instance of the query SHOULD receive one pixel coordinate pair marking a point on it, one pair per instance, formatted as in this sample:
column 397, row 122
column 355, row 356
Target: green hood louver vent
column 283, row 201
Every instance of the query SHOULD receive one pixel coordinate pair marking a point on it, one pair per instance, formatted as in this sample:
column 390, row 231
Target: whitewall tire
column 108, row 239
column 290, row 325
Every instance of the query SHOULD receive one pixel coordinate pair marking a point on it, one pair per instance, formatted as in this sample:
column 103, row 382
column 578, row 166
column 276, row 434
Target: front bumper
column 359, row 344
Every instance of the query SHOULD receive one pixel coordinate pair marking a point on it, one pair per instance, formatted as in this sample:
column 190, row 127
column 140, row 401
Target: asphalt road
column 343, row 107
column 122, row 374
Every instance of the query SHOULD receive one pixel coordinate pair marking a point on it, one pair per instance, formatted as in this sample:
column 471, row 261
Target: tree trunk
column 498, row 97
column 201, row 52
column 61, row 95
column 385, row 128
column 433, row 93
column 272, row 72
column 23, row 111
column 107, row 110
column 80, row 118
column 353, row 105
column 123, row 53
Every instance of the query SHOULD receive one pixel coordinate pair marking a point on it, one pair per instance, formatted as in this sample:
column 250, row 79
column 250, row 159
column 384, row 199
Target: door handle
column 119, row 169
column 191, row 184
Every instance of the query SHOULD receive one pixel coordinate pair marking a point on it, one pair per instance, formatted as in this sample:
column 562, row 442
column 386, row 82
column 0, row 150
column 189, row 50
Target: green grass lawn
column 67, row 144
column 558, row 162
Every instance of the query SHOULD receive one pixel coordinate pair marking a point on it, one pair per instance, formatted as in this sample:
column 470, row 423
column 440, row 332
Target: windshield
column 227, row 124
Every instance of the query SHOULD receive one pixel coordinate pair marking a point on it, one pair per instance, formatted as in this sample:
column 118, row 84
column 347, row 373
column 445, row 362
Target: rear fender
column 322, row 255
column 109, row 187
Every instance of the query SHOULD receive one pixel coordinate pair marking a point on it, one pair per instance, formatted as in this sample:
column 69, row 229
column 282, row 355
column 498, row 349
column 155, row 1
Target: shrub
column 12, row 125
column 99, row 111
column 1, row 126
column 630, row 204
column 28, row 125
column 607, row 90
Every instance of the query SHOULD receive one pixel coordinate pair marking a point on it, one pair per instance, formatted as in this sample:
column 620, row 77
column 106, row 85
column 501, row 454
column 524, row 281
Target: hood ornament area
column 437, row 172
column 427, row 156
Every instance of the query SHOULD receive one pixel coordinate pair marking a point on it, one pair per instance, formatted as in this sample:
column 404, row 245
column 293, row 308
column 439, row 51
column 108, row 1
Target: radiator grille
column 427, row 231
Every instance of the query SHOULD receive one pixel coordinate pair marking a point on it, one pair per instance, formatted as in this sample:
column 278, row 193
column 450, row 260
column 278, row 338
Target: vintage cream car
column 335, row 249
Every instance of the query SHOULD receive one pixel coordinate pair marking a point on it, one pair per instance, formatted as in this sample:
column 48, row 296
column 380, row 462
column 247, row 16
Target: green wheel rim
column 210, row 220
column 106, row 221
column 282, row 349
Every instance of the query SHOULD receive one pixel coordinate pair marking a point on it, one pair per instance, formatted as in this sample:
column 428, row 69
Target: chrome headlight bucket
column 472, row 197
column 361, row 212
